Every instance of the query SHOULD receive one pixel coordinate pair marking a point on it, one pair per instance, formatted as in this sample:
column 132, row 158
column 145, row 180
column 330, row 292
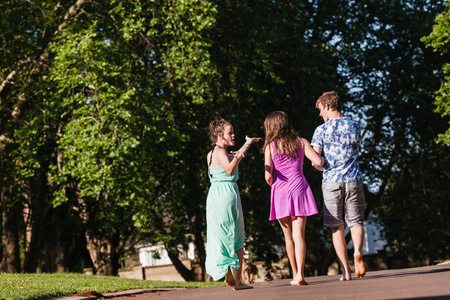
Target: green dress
column 224, row 223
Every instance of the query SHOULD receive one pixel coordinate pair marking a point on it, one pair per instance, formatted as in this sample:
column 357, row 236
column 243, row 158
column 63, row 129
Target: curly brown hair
column 216, row 127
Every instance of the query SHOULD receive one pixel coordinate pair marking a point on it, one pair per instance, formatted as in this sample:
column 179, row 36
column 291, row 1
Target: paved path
column 431, row 282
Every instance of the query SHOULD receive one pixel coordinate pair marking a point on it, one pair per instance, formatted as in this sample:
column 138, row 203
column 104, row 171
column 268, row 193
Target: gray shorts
column 343, row 201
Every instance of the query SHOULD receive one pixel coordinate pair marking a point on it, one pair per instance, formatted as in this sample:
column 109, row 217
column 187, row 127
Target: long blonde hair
column 279, row 130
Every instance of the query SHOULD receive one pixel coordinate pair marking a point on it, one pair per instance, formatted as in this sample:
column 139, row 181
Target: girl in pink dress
column 291, row 197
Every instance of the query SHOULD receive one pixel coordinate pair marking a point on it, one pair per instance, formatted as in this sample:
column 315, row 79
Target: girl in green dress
column 224, row 218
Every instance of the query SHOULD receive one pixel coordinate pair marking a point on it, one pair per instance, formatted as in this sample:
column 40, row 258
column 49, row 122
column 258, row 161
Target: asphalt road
column 431, row 282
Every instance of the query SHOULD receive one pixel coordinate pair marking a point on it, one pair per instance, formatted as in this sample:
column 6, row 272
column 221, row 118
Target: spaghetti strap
column 210, row 161
column 274, row 147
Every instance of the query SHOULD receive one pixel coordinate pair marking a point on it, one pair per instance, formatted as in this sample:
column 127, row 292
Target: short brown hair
column 331, row 99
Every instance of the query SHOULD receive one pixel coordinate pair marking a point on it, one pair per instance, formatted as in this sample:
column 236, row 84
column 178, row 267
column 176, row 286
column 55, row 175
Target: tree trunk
column 39, row 210
column 11, row 214
column 116, row 247
column 200, row 254
column 184, row 272
column 100, row 252
column 56, row 241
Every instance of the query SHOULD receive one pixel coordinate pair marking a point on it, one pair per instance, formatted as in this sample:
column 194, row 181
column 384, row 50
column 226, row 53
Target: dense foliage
column 440, row 41
column 104, row 108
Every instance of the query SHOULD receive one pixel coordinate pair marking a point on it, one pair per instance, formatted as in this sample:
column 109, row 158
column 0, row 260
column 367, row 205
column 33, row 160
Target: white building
column 372, row 239
column 156, row 255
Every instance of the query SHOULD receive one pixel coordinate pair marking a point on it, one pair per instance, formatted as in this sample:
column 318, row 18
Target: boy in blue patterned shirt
column 339, row 139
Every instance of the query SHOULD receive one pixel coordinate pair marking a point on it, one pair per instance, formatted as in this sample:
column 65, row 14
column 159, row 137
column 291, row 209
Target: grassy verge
column 44, row 286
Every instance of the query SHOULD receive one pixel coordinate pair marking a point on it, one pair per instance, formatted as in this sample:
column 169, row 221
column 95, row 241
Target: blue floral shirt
column 339, row 139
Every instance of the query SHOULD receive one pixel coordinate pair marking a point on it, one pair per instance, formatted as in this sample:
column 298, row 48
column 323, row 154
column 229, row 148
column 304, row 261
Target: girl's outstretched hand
column 241, row 152
column 251, row 139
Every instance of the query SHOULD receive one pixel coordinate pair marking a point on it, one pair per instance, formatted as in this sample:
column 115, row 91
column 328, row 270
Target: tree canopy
column 440, row 41
column 105, row 106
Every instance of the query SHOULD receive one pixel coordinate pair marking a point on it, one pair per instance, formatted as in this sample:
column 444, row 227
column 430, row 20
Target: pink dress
column 291, row 194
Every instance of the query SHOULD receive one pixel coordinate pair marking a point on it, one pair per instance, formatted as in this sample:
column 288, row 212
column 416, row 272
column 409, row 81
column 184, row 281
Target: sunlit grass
column 43, row 286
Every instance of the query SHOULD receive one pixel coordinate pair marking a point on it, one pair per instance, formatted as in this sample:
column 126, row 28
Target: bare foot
column 360, row 269
column 298, row 282
column 229, row 279
column 343, row 278
column 242, row 286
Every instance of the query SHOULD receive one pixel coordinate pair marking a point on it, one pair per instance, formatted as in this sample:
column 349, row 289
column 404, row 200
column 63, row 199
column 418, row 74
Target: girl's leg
column 237, row 274
column 286, row 225
column 229, row 278
column 298, row 232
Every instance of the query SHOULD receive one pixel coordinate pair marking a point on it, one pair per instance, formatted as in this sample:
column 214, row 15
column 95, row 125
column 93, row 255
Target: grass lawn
column 43, row 286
